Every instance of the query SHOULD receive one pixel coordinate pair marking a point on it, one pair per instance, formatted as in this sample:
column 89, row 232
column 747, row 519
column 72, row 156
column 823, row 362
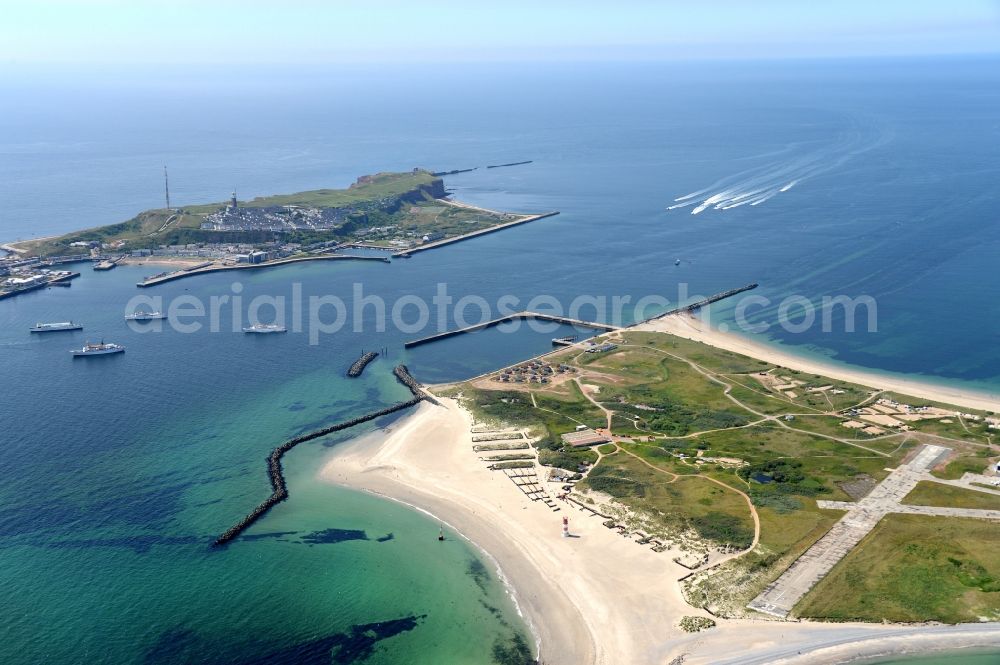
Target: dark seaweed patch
column 352, row 646
column 513, row 652
column 277, row 535
column 358, row 643
column 328, row 536
column 479, row 574
column 495, row 611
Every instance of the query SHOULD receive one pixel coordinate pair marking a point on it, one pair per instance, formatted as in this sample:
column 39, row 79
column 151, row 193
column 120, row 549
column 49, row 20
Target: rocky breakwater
column 359, row 365
column 279, row 489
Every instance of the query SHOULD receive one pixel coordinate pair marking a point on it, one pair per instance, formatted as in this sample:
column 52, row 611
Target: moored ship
column 145, row 316
column 263, row 328
column 97, row 349
column 58, row 326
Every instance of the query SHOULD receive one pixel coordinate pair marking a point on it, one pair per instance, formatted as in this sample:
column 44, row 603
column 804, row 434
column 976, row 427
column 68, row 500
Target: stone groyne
column 279, row 490
column 359, row 365
column 404, row 377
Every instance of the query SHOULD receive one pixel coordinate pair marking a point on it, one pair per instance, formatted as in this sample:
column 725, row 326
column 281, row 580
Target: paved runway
column 780, row 596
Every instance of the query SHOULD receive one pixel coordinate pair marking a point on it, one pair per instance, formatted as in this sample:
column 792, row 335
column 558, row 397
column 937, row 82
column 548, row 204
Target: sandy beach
column 572, row 591
column 811, row 643
column 692, row 327
column 595, row 597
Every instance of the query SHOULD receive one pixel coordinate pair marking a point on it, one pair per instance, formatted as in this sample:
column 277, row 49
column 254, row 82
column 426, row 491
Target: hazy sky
column 311, row 31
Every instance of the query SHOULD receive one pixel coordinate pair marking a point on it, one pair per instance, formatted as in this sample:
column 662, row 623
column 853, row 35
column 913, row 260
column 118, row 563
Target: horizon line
column 737, row 59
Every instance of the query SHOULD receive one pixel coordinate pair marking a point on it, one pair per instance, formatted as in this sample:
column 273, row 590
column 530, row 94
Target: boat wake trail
column 762, row 183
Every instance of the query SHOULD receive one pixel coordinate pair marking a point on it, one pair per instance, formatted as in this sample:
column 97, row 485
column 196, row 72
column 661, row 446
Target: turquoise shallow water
column 127, row 467
column 118, row 473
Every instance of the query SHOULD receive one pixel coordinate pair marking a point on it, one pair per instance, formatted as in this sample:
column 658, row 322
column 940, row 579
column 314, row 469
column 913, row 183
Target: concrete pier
column 607, row 327
column 109, row 264
column 474, row 234
column 701, row 303
column 188, row 272
column 61, row 280
column 500, row 166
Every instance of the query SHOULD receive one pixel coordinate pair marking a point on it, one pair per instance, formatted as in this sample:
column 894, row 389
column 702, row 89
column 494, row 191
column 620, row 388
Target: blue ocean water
column 898, row 200
column 117, row 473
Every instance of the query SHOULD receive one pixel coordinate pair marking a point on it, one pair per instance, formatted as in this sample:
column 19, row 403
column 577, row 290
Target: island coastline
column 691, row 326
column 576, row 617
column 424, row 461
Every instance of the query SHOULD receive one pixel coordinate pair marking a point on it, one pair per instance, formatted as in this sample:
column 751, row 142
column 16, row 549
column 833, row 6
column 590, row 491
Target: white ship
column 145, row 316
column 97, row 349
column 55, row 327
column 263, row 328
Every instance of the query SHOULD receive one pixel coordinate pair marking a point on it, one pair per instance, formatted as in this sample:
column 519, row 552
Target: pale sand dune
column 691, row 327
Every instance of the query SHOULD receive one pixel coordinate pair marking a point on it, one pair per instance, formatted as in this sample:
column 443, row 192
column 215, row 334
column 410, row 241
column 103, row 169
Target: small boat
column 98, row 349
column 55, row 327
column 145, row 316
column 677, row 262
column 441, row 533
column 263, row 328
